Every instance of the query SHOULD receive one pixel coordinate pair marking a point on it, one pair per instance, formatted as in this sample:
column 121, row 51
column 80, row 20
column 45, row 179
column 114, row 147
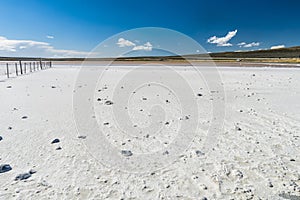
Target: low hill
column 282, row 53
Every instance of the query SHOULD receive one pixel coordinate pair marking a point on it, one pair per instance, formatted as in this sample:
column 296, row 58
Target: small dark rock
column 199, row 153
column 167, row 101
column 238, row 128
column 199, row 95
column 270, row 185
column 144, row 98
column 9, row 87
column 5, row 168
column 82, row 137
column 55, row 141
column 24, row 117
column 32, row 171
column 9, row 128
column 1, row 138
column 292, row 160
column 166, row 153
column 108, row 102
column 99, row 99
column 126, row 153
column 53, row 86
column 23, row 176
column 58, row 148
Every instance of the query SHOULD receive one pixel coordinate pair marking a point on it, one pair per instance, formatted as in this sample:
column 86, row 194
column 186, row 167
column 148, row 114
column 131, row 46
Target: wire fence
column 12, row 69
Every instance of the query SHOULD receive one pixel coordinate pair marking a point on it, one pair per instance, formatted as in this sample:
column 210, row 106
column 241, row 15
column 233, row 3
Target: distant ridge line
column 290, row 52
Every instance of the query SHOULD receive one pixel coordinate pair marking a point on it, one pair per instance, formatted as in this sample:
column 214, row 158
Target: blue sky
column 75, row 27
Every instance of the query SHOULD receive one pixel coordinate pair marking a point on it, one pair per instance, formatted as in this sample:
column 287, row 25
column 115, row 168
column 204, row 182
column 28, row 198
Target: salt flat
column 253, row 155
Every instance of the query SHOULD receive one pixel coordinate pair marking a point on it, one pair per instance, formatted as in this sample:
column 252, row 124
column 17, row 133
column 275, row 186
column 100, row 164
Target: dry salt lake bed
column 49, row 148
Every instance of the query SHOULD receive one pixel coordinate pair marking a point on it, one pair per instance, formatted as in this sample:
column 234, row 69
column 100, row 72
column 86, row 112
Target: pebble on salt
column 23, row 176
column 5, row 168
column 55, row 141
column 126, row 153
column 108, row 102
column 32, row 171
column 199, row 153
column 1, row 138
column 238, row 128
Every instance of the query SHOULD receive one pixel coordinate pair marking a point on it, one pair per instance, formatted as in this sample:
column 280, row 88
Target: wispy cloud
column 248, row 45
column 146, row 47
column 222, row 41
column 50, row 36
column 277, row 47
column 13, row 45
column 127, row 43
column 33, row 48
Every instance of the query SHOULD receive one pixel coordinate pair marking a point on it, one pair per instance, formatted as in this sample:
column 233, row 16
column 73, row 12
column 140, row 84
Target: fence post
column 16, row 65
column 30, row 67
column 50, row 63
column 20, row 62
column 41, row 64
column 25, row 68
column 7, row 70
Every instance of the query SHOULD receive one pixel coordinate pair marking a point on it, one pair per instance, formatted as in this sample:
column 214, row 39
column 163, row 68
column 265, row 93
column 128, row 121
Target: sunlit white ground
column 256, row 154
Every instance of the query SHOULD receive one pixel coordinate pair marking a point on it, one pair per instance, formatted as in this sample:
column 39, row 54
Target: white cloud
column 241, row 43
column 50, row 36
column 222, row 41
column 252, row 44
column 12, row 45
column 146, row 47
column 277, row 47
column 34, row 49
column 125, row 43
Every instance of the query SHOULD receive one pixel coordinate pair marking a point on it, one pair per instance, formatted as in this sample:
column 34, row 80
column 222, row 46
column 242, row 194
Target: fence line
column 14, row 69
